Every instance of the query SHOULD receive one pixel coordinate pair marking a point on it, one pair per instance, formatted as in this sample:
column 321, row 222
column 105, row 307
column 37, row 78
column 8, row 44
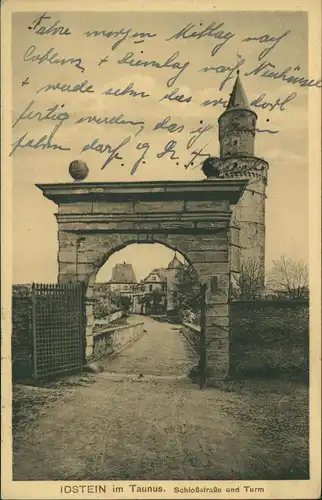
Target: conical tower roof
column 175, row 263
column 238, row 98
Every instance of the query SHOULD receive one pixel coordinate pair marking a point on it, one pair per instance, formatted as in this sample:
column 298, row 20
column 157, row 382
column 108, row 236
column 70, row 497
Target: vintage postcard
column 161, row 249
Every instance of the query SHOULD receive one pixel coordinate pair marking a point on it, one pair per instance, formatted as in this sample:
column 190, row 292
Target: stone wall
column 269, row 337
column 110, row 341
column 110, row 318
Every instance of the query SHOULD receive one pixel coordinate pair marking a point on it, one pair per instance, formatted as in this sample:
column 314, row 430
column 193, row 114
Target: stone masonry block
column 66, row 278
column 66, row 240
column 219, row 320
column 234, row 257
column 217, row 360
column 208, row 256
column 66, row 268
column 143, row 225
column 83, row 277
column 218, row 346
column 97, row 225
column 159, row 206
column 67, row 256
column 216, row 310
column 220, row 224
column 84, row 255
column 89, row 331
column 142, row 237
column 175, row 224
column 88, row 351
column 200, row 243
column 78, row 207
column 209, row 269
column 89, row 341
column 217, row 332
column 117, row 207
column 90, row 320
column 207, row 206
column 82, row 269
column 162, row 238
column 234, row 236
column 89, row 307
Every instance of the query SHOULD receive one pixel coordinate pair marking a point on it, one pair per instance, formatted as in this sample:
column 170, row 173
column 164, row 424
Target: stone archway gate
column 193, row 217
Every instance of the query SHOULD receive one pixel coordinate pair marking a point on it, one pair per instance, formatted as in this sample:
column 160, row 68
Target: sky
column 159, row 256
column 34, row 223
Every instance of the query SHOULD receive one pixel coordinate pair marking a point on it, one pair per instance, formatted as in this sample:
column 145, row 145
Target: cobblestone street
column 160, row 351
column 143, row 419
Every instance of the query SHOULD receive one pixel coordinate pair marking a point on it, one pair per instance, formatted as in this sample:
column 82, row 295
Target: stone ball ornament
column 78, row 170
column 210, row 167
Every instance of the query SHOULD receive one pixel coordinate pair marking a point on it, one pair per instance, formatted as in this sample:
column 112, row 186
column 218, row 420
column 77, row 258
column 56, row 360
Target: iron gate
column 58, row 326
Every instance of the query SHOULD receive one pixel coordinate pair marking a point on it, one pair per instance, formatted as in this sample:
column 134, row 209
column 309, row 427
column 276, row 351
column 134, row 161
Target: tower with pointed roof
column 172, row 274
column 237, row 125
column 237, row 132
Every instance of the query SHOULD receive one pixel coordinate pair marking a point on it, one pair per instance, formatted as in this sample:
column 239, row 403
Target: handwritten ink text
column 51, row 57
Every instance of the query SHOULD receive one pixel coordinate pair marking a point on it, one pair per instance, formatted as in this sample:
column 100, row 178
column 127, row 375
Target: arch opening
column 153, row 283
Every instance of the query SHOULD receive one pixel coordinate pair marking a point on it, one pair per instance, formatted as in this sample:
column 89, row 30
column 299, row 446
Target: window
column 235, row 142
column 150, row 288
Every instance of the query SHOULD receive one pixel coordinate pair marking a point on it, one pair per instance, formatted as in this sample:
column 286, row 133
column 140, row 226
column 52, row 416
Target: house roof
column 149, row 278
column 161, row 273
column 123, row 273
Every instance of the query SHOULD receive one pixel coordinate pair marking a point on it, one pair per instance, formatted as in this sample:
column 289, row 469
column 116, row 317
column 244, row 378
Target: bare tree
column 290, row 277
column 248, row 284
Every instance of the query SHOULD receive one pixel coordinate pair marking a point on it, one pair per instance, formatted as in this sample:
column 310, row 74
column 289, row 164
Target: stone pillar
column 75, row 266
column 217, row 325
column 214, row 272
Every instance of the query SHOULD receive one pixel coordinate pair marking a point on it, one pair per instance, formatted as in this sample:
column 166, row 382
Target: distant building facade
column 123, row 279
column 163, row 280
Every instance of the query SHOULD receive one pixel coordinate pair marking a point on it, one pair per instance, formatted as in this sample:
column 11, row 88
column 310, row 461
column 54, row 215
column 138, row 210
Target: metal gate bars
column 58, row 328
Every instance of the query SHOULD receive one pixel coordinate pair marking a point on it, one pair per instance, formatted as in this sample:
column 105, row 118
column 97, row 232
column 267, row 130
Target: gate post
column 71, row 270
column 216, row 322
